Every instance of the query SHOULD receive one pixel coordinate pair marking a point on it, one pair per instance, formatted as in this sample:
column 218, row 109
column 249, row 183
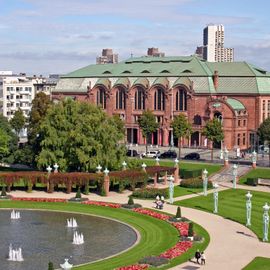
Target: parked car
column 168, row 154
column 151, row 154
column 132, row 153
column 192, row 156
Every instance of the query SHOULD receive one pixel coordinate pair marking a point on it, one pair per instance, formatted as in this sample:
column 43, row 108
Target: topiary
column 3, row 192
column 78, row 194
column 190, row 229
column 178, row 213
column 130, row 201
column 50, row 266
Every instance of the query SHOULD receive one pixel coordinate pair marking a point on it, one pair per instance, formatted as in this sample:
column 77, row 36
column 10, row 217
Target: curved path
column 232, row 245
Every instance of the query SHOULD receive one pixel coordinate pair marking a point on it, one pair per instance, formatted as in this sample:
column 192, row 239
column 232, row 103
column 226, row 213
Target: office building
column 107, row 57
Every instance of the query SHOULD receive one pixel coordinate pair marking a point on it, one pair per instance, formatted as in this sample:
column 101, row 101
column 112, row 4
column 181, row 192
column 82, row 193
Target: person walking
column 197, row 256
column 203, row 258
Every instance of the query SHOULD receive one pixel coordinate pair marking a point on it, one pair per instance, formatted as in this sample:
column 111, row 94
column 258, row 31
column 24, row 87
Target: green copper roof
column 122, row 81
column 235, row 104
column 103, row 81
column 142, row 81
column 161, row 81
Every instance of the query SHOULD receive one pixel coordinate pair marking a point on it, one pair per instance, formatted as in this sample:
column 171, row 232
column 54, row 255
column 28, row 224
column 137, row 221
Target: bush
column 186, row 174
column 190, row 229
column 131, row 206
column 252, row 181
column 154, row 261
column 178, row 212
column 150, row 193
column 78, row 194
column 194, row 183
column 50, row 266
column 130, row 201
column 3, row 192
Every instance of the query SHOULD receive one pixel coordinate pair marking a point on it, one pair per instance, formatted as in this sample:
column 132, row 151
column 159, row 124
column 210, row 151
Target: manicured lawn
column 182, row 191
column 232, row 205
column 258, row 173
column 156, row 235
column 259, row 263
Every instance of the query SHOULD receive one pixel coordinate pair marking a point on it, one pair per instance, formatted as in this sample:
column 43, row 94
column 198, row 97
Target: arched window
column 101, row 98
column 159, row 102
column 181, row 100
column 139, row 99
column 120, row 99
column 218, row 115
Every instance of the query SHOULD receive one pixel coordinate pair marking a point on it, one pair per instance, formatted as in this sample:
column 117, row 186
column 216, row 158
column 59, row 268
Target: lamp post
column 106, row 172
column 205, row 180
column 124, row 164
column 265, row 222
column 132, row 101
column 56, row 166
column 49, row 169
column 226, row 157
column 254, row 159
column 235, row 167
column 66, row 265
column 172, row 142
column 248, row 207
column 98, row 168
column 144, row 166
column 171, row 188
column 157, row 161
column 215, row 197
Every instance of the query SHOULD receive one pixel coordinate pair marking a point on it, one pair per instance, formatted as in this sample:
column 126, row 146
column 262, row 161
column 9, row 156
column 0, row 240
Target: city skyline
column 42, row 37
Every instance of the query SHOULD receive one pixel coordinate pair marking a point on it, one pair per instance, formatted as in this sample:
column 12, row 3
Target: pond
column 44, row 236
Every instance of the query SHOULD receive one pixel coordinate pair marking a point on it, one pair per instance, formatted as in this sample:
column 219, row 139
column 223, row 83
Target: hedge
column 194, row 183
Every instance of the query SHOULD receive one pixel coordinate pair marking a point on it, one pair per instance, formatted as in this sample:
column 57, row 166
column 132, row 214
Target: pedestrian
column 162, row 199
column 202, row 258
column 197, row 256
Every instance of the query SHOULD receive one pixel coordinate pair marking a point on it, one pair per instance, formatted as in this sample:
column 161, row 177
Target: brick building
column 237, row 93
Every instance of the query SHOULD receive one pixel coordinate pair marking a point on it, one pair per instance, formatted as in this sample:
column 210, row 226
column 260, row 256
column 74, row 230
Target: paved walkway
column 232, row 245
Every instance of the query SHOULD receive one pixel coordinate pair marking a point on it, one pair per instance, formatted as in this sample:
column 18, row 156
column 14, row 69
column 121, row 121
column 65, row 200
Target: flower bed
column 112, row 205
column 38, row 199
column 182, row 227
column 177, row 250
column 151, row 213
column 134, row 267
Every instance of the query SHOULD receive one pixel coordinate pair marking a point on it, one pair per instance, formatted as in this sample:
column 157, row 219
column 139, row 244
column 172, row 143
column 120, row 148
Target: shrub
column 130, row 201
column 150, row 193
column 154, row 261
column 178, row 212
column 186, row 174
column 78, row 194
column 134, row 163
column 252, row 181
column 190, row 229
column 194, row 183
column 131, row 206
column 50, row 266
column 3, row 192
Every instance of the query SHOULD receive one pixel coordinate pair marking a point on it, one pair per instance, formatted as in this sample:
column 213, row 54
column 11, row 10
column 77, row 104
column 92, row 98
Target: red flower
column 151, row 213
column 134, row 267
column 38, row 199
column 112, row 205
column 177, row 250
column 182, row 227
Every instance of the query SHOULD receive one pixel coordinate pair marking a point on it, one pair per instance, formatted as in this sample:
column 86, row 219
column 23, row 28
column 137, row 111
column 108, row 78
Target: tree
column 79, row 136
column 181, row 128
column 18, row 121
column 4, row 143
column 213, row 132
column 148, row 125
column 264, row 133
column 50, row 266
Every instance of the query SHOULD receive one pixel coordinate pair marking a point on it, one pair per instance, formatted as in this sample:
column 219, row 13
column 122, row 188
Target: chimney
column 215, row 79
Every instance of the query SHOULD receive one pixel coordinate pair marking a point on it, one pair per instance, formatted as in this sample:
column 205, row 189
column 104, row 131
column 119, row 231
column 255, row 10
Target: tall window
column 181, row 100
column 139, row 100
column 101, row 98
column 120, row 99
column 159, row 102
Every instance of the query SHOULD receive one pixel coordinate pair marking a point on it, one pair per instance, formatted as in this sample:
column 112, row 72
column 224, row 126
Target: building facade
column 213, row 45
column 155, row 52
column 107, row 57
column 238, row 94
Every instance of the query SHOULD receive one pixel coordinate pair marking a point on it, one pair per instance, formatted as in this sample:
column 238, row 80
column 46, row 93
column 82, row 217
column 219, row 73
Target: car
column 192, row 156
column 132, row 153
column 168, row 154
column 151, row 154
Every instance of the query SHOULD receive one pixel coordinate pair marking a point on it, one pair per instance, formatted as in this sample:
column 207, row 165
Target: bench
column 263, row 182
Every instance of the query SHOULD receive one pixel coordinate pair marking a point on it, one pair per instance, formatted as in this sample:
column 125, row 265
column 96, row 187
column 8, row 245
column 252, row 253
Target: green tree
column 181, row 128
column 119, row 123
column 4, row 143
column 148, row 125
column 213, row 132
column 79, row 136
column 50, row 266
column 264, row 133
column 18, row 121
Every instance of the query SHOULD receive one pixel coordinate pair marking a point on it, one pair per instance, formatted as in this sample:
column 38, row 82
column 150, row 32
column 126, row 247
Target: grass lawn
column 232, row 205
column 182, row 191
column 156, row 235
column 259, row 263
column 258, row 172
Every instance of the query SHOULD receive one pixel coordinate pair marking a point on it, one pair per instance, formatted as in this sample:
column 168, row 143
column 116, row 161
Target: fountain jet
column 15, row 254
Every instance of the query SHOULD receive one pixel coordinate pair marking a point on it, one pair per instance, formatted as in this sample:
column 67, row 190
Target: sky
column 56, row 37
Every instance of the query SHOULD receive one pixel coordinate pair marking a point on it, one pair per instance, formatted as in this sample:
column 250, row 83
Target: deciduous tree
column 18, row 121
column 264, row 133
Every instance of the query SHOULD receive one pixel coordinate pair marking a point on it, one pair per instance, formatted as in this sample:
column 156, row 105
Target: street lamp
column 49, row 169
column 205, row 180
column 56, row 166
column 124, row 164
column 235, row 167
column 106, row 171
column 144, row 166
column 248, row 207
column 98, row 168
column 171, row 188
column 176, row 161
column 215, row 185
column 157, row 161
column 66, row 265
column 226, row 154
column 254, row 159
column 132, row 101
column 265, row 222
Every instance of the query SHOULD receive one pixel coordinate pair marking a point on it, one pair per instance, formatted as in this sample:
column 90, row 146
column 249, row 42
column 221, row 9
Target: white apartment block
column 213, row 42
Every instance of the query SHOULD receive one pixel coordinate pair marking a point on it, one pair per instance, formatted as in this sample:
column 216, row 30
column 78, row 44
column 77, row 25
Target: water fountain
column 72, row 223
column 15, row 214
column 15, row 254
column 66, row 265
column 78, row 239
